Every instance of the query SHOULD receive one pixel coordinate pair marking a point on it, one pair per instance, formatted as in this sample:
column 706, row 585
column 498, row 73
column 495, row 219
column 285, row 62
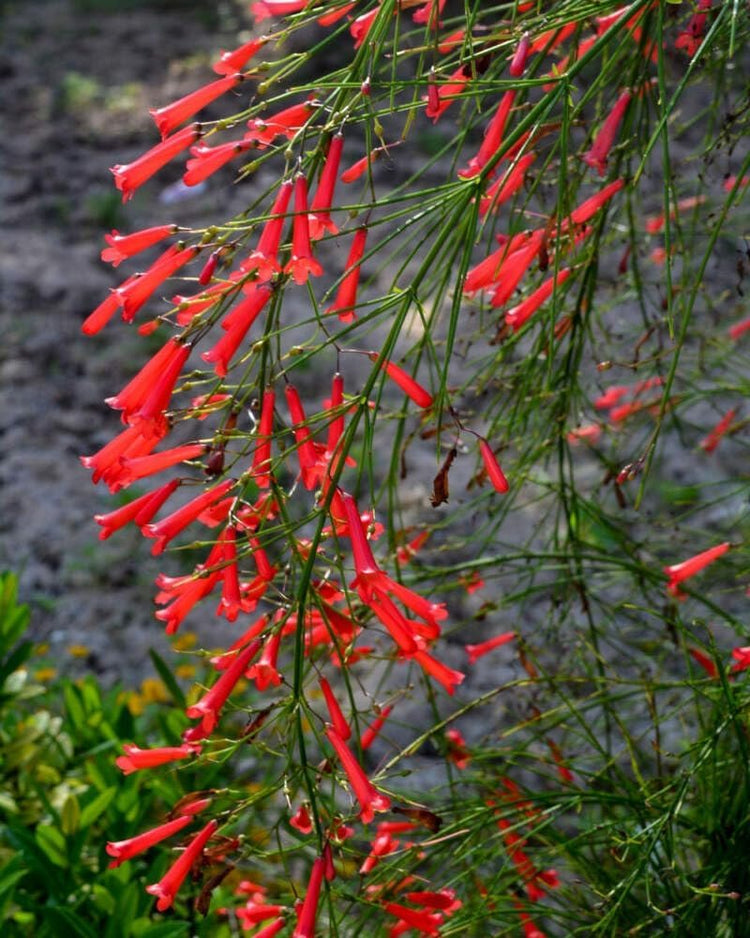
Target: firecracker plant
column 417, row 408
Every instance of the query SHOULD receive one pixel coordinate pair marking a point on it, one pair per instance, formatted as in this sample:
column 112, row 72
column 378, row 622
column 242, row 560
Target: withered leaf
column 203, row 901
column 440, row 482
column 421, row 816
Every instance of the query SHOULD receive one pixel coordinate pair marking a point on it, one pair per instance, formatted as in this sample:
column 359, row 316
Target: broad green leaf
column 97, row 807
column 52, row 842
column 161, row 929
column 73, row 705
column 65, row 922
column 70, row 816
column 168, row 677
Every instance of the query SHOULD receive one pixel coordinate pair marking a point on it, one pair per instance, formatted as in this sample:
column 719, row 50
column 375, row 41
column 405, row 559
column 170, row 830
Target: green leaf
column 97, row 807
column 10, row 874
column 52, row 842
column 169, row 679
column 163, row 930
column 129, row 898
column 66, row 922
column 35, row 859
column 76, row 713
column 13, row 663
column 14, row 619
column 70, row 816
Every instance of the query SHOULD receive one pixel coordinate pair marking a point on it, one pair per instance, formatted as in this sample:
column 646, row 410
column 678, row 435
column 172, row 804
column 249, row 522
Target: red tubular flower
column 493, row 138
column 360, row 167
column 680, row 572
column 264, row 258
column 222, row 662
column 591, row 206
column 566, row 776
column 306, row 452
column 405, row 553
column 517, row 317
column 190, row 306
column 507, row 185
column 741, row 659
column 305, row 927
column 173, row 524
column 477, row 651
column 169, row 885
column 170, row 117
column 596, row 157
column 320, row 217
column 135, row 393
column 549, row 40
column 336, row 427
column 429, row 14
column 137, row 467
column 131, row 176
column 136, row 759
column 230, row 603
column 514, row 267
column 255, row 911
column 590, row 433
column 337, row 717
column 157, row 397
column 209, row 706
column 737, row 330
column 655, row 224
column 269, row 930
column 261, row 469
column 451, row 41
column 237, row 323
column 140, row 510
column 302, row 263
column 264, row 673
column 286, row 123
column 561, row 67
column 209, row 268
column 137, row 290
column 107, row 462
column 328, row 19
column 301, row 820
column 382, row 845
column 426, row 923
column 446, row 94
column 265, row 9
column 369, row 797
column 458, row 752
column 208, row 160
column 692, row 36
column 444, row 675
column 231, row 62
column 733, row 182
column 485, row 273
column 709, row 443
column 373, row 730
column 361, row 26
column 492, row 468
column 329, row 870
column 408, row 385
column 123, row 246
column 346, row 296
column 123, row 850
column 98, row 318
column 520, row 57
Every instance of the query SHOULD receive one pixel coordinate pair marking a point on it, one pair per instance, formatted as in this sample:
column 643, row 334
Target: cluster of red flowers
column 282, row 456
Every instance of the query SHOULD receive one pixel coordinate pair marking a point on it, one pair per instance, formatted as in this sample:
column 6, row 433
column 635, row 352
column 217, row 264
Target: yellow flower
column 78, row 651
